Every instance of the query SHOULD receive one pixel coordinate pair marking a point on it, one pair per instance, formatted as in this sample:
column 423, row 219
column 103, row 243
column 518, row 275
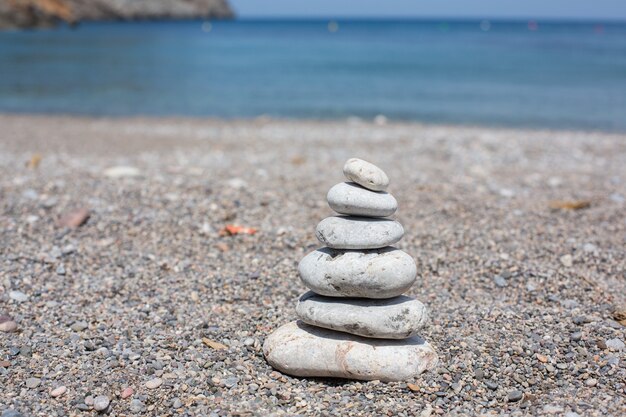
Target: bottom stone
column 299, row 349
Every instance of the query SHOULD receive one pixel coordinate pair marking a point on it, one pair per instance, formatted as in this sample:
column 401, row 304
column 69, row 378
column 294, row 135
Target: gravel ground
column 145, row 309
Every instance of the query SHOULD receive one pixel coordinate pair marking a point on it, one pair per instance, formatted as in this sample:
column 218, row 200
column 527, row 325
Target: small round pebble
column 366, row 174
column 500, row 281
column 136, row 406
column 8, row 326
column 33, row 382
column 514, row 396
column 491, row 385
column 615, row 344
column 567, row 261
column 79, row 326
column 101, row 403
column 231, row 381
column 18, row 296
column 127, row 392
column 154, row 383
column 58, row 391
column 576, row 336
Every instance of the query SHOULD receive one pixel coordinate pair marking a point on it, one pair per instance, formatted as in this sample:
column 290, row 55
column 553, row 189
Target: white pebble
column 121, row 172
column 615, row 344
column 567, row 261
column 101, row 403
column 58, row 391
column 366, row 174
column 18, row 296
column 154, row 383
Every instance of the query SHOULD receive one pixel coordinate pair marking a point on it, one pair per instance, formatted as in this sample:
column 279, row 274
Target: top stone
column 366, row 174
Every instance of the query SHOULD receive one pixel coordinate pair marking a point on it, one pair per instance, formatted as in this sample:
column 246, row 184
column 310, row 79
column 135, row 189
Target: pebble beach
column 145, row 260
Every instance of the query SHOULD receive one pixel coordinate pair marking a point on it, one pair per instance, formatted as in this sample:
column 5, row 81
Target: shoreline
column 350, row 121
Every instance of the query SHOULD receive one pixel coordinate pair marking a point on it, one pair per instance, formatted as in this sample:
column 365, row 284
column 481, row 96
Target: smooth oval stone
column 366, row 174
column 299, row 349
column 351, row 198
column 393, row 318
column 377, row 273
column 352, row 232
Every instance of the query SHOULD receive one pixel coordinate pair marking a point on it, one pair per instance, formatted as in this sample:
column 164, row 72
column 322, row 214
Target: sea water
column 506, row 73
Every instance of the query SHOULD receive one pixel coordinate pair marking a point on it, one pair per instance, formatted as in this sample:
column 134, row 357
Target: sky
column 482, row 9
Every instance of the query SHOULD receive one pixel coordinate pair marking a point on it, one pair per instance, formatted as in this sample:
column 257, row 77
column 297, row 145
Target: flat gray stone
column 11, row 413
column 33, row 382
column 18, row 296
column 298, row 349
column 352, row 232
column 351, row 198
column 615, row 344
column 376, row 273
column 366, row 174
column 394, row 318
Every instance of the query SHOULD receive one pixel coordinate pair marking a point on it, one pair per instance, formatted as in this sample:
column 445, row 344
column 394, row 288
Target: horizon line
column 436, row 18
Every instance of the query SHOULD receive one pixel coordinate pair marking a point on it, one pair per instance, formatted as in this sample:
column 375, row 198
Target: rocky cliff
column 41, row 13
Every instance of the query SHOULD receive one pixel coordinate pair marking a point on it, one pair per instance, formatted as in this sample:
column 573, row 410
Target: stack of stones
column 355, row 323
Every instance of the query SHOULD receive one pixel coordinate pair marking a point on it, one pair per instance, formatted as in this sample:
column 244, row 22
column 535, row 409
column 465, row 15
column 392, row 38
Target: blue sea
column 503, row 73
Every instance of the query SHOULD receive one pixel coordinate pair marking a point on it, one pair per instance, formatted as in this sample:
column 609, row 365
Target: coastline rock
column 366, row 174
column 299, row 349
column 394, row 318
column 33, row 13
column 350, row 198
column 378, row 273
column 352, row 232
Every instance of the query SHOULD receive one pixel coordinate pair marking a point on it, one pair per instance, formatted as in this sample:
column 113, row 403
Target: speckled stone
column 352, row 232
column 377, row 273
column 366, row 174
column 394, row 318
column 350, row 198
column 299, row 349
